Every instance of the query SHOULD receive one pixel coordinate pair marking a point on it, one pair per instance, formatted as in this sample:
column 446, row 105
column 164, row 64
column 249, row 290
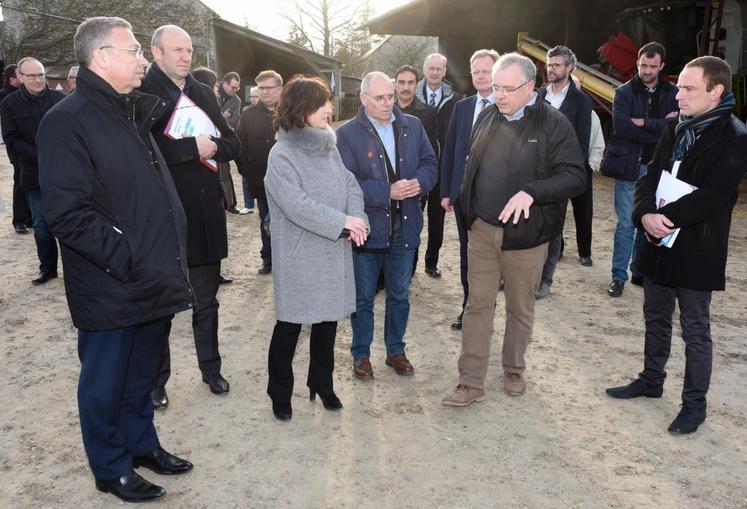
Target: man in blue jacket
column 390, row 155
column 639, row 114
column 456, row 148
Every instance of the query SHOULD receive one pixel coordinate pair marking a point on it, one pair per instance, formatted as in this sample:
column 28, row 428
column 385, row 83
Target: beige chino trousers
column 488, row 264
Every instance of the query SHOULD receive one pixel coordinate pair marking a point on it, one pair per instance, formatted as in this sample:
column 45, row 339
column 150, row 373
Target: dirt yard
column 563, row 444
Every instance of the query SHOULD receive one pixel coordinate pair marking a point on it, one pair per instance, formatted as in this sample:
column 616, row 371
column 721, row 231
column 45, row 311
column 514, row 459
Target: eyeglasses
column 33, row 76
column 267, row 89
column 381, row 99
column 480, row 73
column 138, row 52
column 508, row 90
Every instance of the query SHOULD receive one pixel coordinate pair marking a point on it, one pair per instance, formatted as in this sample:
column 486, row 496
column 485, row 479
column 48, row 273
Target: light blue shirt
column 478, row 106
column 386, row 133
column 520, row 112
column 429, row 93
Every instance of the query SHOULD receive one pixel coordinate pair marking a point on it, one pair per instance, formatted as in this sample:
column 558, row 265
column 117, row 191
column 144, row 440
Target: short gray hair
column 527, row 67
column 484, row 53
column 435, row 55
column 94, row 33
column 562, row 51
column 368, row 78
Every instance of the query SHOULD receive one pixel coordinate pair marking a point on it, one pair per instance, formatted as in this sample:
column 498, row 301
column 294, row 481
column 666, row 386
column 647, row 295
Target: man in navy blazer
column 456, row 147
column 563, row 94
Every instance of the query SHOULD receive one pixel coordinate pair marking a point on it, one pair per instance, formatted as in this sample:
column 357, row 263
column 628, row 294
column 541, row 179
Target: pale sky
column 263, row 17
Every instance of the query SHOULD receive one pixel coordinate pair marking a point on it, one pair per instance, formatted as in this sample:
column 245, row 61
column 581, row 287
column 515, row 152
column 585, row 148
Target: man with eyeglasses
column 20, row 114
column 639, row 114
column 21, row 219
column 435, row 91
column 455, row 151
column 389, row 153
column 562, row 94
column 110, row 200
column 257, row 137
column 230, row 106
column 72, row 76
column 199, row 189
column 524, row 163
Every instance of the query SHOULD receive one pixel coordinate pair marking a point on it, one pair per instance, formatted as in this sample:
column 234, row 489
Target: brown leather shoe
column 362, row 368
column 400, row 364
column 514, row 384
column 463, row 396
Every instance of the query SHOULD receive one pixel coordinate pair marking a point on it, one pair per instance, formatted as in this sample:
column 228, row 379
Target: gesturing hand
column 518, row 204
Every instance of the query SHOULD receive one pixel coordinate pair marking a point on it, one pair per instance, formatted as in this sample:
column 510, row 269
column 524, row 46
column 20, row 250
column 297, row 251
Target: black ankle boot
column 282, row 412
column 330, row 401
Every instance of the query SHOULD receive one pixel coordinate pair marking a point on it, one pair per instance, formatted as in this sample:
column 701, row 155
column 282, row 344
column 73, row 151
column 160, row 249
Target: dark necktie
column 432, row 102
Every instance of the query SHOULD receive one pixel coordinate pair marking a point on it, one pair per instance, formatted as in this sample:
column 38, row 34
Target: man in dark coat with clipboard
column 704, row 147
column 200, row 192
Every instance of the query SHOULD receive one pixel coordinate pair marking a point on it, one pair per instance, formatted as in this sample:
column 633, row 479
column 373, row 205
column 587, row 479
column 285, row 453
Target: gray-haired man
column 524, row 162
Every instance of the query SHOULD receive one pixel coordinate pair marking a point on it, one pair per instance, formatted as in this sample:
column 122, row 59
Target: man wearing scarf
column 704, row 146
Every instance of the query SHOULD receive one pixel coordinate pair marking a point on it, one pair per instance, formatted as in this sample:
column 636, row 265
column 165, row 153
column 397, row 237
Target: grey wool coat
column 310, row 193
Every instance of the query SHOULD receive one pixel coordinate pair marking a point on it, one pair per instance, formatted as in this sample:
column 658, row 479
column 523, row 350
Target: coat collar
column 309, row 138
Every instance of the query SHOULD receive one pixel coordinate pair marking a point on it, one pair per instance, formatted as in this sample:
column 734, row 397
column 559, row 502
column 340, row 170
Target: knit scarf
column 688, row 128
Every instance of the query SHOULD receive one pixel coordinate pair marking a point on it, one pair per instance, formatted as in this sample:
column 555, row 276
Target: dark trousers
column 463, row 237
column 46, row 245
column 264, row 215
column 118, row 368
column 280, row 360
column 658, row 308
column 204, row 280
column 21, row 210
column 583, row 210
column 436, row 215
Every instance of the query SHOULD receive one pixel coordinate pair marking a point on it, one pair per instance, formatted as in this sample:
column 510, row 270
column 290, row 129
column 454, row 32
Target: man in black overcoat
column 200, row 192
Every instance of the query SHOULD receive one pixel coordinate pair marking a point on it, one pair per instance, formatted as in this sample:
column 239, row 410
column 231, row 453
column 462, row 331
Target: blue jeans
column 627, row 236
column 248, row 200
column 46, row 246
column 397, row 265
column 264, row 215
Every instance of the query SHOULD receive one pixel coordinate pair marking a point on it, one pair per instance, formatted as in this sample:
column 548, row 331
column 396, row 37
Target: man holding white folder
column 191, row 154
column 705, row 148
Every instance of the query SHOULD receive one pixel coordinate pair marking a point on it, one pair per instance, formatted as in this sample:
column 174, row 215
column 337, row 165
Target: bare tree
column 319, row 24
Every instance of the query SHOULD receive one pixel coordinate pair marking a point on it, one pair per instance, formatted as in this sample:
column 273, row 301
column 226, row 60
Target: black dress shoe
column 218, row 384
column 21, row 228
column 224, row 280
column 43, row 277
column 636, row 389
column 433, row 272
column 282, row 412
column 266, row 268
column 159, row 397
column 616, row 288
column 457, row 324
column 330, row 401
column 162, row 462
column 637, row 280
column 234, row 210
column 687, row 421
column 585, row 261
column 130, row 488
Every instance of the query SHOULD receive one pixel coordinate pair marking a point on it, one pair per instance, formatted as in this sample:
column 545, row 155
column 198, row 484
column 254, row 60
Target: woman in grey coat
column 316, row 207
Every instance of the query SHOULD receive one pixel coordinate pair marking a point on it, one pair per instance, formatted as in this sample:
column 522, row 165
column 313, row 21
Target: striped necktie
column 484, row 103
column 432, row 102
